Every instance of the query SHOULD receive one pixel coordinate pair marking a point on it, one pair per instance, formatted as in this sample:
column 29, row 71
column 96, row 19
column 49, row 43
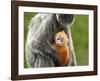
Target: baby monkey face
column 61, row 39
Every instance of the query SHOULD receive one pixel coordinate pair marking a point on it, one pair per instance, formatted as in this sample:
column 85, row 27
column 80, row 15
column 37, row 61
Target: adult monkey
column 42, row 28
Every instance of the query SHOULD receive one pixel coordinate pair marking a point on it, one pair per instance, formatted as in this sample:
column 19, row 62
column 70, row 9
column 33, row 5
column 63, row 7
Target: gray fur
column 39, row 50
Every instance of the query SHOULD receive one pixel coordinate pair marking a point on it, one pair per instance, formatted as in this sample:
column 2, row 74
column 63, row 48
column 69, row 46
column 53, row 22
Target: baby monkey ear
column 67, row 40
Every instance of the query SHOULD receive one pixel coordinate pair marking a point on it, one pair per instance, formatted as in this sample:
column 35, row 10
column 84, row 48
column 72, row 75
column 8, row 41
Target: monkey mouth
column 59, row 44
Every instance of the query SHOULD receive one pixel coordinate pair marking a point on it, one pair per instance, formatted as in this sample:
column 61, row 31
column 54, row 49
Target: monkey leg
column 36, row 59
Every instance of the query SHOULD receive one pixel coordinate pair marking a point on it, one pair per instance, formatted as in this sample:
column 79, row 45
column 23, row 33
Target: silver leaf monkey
column 42, row 28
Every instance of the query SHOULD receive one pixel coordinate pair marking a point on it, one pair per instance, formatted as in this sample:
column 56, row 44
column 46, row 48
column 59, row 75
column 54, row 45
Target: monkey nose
column 61, row 40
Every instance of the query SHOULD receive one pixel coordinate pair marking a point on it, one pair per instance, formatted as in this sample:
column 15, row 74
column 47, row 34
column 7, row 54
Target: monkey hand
column 52, row 53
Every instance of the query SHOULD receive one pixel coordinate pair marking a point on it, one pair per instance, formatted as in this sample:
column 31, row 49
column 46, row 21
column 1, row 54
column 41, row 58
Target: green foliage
column 79, row 32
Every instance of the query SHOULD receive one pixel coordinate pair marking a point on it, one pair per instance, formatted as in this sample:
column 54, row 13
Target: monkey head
column 61, row 39
column 65, row 19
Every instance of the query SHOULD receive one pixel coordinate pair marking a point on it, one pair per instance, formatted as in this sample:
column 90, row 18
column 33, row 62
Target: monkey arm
column 37, row 59
column 54, row 57
column 51, row 52
column 45, row 50
column 72, row 58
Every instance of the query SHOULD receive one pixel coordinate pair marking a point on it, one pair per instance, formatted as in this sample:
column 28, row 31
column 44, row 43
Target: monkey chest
column 63, row 54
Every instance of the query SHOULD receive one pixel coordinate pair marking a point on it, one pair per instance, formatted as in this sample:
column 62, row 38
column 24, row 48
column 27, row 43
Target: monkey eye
column 58, row 39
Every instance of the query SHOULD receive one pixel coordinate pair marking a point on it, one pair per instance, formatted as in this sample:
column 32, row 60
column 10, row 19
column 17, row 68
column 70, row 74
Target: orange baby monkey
column 61, row 47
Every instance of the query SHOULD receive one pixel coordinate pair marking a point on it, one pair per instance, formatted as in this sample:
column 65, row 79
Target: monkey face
column 61, row 39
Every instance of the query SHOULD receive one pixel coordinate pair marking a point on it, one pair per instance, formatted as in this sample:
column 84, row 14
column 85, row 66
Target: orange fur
column 61, row 47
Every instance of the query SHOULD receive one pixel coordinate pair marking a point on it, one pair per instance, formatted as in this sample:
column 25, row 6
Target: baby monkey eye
column 58, row 39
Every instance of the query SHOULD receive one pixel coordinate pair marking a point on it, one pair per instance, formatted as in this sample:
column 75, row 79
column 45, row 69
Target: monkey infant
column 61, row 47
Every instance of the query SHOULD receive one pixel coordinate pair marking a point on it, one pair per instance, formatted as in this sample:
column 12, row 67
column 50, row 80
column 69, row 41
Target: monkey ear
column 67, row 40
column 65, row 19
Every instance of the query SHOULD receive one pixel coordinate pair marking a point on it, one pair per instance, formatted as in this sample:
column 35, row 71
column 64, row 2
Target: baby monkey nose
column 61, row 40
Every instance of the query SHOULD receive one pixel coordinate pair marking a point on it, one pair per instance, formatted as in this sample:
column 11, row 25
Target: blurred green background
column 79, row 32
